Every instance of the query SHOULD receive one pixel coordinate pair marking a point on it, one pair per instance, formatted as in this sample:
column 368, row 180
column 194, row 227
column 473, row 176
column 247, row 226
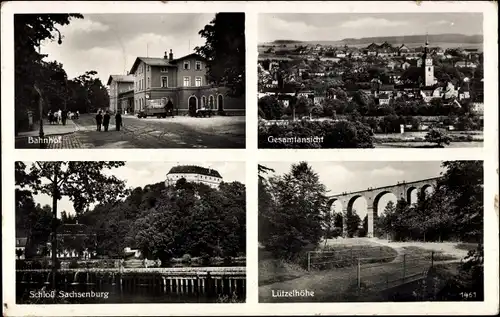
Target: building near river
column 195, row 174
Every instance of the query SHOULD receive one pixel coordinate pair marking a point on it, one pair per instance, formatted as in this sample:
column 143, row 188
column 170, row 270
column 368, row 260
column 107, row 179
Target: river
column 131, row 286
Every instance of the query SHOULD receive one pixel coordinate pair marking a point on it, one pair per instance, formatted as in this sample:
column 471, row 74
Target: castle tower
column 428, row 67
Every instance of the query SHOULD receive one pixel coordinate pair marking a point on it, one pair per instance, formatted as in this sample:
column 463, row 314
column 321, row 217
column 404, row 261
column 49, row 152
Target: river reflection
column 147, row 287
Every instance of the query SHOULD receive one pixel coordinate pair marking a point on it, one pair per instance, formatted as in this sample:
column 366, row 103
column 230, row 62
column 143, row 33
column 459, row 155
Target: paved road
column 178, row 132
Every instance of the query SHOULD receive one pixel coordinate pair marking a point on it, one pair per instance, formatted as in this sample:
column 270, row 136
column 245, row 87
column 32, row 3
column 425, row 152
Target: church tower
column 428, row 67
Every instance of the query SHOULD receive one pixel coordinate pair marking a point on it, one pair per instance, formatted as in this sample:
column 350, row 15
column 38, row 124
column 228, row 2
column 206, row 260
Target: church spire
column 426, row 48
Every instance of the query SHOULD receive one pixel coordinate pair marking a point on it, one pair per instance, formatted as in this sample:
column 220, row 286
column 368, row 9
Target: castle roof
column 193, row 169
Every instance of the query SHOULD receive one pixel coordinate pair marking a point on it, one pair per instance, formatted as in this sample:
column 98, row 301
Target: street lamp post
column 40, row 108
column 41, row 133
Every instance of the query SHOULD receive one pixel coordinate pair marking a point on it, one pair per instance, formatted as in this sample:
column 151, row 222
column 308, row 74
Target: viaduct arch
column 372, row 196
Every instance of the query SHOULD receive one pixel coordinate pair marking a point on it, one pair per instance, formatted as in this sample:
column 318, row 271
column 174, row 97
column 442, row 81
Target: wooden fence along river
column 205, row 282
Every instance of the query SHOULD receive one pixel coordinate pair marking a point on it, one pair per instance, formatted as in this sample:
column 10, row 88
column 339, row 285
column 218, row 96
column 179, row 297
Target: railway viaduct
column 402, row 190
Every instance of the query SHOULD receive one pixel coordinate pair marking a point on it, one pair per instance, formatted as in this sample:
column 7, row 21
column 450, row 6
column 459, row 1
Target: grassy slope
column 340, row 284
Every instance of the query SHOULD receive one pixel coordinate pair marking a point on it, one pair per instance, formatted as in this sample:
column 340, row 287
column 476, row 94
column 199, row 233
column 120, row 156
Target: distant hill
column 286, row 42
column 408, row 39
column 433, row 38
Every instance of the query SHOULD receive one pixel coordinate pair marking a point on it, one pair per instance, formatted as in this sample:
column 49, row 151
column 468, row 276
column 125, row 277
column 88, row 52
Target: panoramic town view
column 129, row 80
column 130, row 232
column 370, row 80
column 371, row 231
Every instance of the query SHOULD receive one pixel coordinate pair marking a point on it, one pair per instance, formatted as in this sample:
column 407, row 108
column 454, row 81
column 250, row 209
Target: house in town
column 394, row 77
column 194, row 174
column 340, row 54
column 372, row 49
column 386, row 50
column 21, row 247
column 330, row 59
column 403, row 50
column 317, row 100
column 181, row 80
column 405, row 65
column 384, row 99
column 438, row 52
column 472, row 52
column 392, row 64
column 449, row 91
column 419, row 62
column 356, row 55
column 119, row 86
column 386, row 89
column 285, row 99
column 465, row 64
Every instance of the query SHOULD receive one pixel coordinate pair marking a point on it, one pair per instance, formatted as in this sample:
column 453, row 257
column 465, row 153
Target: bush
column 468, row 123
column 186, row 258
column 334, row 233
column 437, row 136
column 74, row 264
column 270, row 108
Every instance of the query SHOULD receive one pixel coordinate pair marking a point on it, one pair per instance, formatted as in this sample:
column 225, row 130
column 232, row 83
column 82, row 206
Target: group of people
column 104, row 120
column 61, row 116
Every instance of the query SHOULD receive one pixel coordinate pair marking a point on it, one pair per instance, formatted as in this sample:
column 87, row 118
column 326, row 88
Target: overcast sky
column 140, row 174
column 337, row 26
column 109, row 43
column 341, row 177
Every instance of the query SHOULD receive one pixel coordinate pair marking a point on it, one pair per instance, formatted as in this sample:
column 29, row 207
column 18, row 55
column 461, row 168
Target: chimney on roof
column 171, row 55
column 165, row 55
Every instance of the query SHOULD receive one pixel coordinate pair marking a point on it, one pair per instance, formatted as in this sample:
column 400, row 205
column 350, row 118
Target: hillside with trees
column 166, row 222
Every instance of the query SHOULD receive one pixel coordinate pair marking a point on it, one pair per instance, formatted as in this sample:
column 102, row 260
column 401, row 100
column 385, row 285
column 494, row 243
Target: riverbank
column 459, row 139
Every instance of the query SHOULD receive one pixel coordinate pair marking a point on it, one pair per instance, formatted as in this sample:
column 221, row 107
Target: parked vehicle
column 204, row 112
column 157, row 108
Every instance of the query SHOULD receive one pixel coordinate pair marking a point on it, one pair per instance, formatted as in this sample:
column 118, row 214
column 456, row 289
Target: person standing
column 98, row 120
column 59, row 116
column 64, row 116
column 170, row 107
column 118, row 121
column 105, row 121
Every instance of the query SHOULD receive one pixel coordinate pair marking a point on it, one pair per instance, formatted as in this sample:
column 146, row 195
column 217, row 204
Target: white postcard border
column 489, row 153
